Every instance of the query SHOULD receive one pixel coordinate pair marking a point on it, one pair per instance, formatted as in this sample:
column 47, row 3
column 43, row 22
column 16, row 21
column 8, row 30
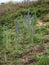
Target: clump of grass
column 46, row 19
column 43, row 61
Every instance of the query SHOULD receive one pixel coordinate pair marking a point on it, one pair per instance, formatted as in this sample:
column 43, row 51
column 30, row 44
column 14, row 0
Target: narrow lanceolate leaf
column 5, row 27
